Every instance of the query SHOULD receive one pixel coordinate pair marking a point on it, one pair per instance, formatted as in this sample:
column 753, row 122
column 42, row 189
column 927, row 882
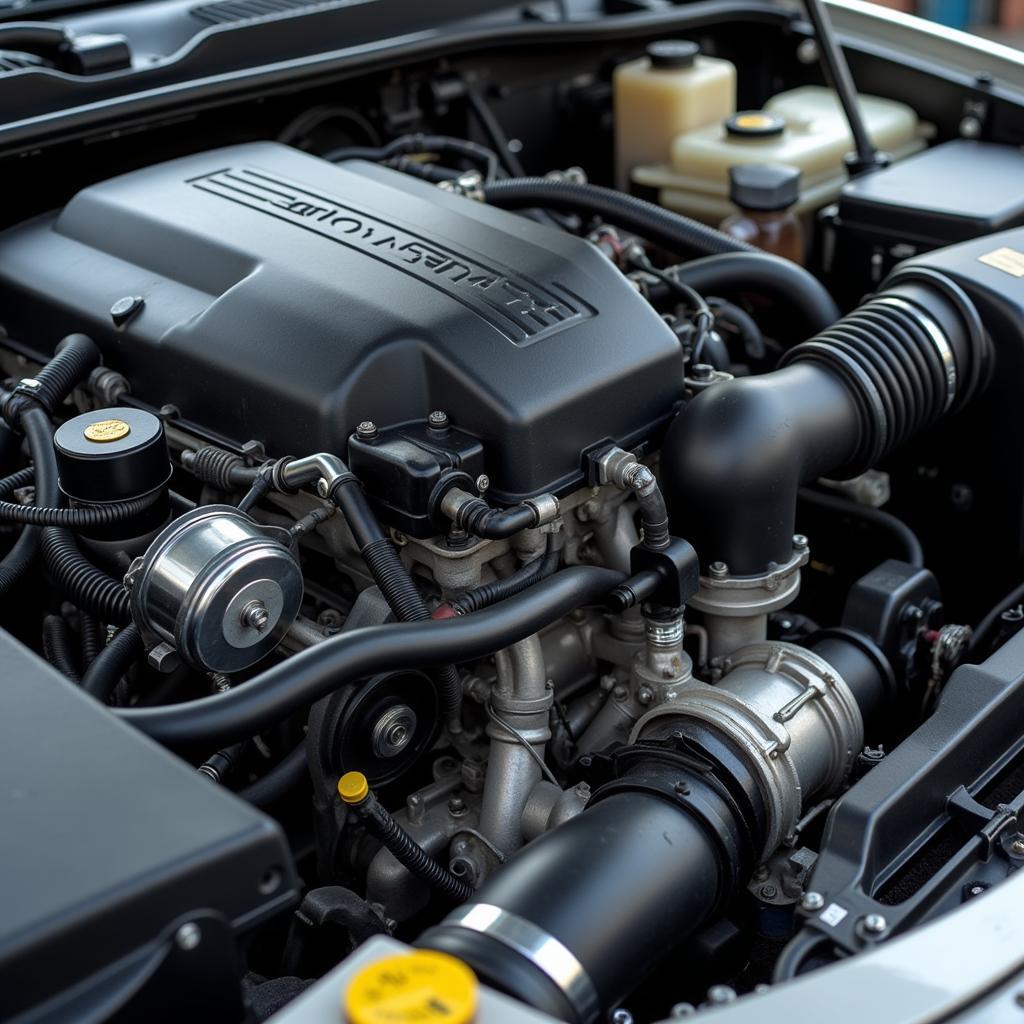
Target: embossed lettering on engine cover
column 521, row 309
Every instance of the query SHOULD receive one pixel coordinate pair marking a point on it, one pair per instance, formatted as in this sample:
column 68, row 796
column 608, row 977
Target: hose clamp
column 544, row 951
column 937, row 337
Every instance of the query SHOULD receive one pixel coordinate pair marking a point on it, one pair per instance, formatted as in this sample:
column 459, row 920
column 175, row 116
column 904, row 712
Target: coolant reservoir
column 673, row 89
column 804, row 128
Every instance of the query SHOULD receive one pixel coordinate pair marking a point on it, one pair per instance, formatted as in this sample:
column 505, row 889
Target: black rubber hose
column 80, row 581
column 735, row 457
column 281, row 780
column 478, row 518
column 911, row 550
column 219, row 468
column 91, row 635
column 39, row 434
column 75, row 357
column 499, row 590
column 785, row 283
column 12, row 483
column 319, row 670
column 113, row 662
column 395, row 581
column 669, row 230
column 80, row 517
column 383, row 827
column 991, row 619
column 57, row 646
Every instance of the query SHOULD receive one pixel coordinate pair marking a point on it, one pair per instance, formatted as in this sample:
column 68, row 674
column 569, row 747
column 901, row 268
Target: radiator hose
column 736, row 456
column 321, row 669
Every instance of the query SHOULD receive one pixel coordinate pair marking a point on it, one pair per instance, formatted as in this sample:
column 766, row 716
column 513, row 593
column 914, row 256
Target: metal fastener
column 438, row 419
column 483, row 481
column 812, row 901
column 255, row 616
column 366, row 429
column 874, row 924
column 188, row 936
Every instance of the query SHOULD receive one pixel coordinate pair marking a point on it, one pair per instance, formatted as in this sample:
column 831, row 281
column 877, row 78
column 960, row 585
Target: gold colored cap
column 105, row 431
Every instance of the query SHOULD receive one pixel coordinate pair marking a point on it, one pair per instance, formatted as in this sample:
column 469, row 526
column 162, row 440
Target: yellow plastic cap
column 353, row 787
column 420, row 987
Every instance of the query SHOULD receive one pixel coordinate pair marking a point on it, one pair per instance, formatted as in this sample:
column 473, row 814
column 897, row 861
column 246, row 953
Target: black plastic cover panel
column 106, row 842
column 287, row 299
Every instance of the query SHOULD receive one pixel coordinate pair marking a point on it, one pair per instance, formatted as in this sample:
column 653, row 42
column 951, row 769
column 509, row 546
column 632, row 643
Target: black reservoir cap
column 673, row 54
column 111, row 455
column 764, row 186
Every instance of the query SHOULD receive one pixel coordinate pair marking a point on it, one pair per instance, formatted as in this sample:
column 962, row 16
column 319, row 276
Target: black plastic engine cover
column 286, row 299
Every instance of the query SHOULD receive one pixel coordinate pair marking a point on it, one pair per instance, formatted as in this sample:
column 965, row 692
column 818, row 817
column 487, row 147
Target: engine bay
column 556, row 519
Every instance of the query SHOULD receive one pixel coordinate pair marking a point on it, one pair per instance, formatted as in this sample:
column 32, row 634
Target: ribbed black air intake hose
column 103, row 675
column 735, row 457
column 301, row 680
column 80, row 581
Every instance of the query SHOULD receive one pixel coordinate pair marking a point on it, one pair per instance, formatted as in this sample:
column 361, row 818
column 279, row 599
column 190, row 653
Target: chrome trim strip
column 544, row 951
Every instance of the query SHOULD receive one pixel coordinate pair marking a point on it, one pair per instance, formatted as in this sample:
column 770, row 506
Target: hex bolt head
column 438, row 419
column 799, row 541
column 718, row 570
column 874, row 924
column 812, row 901
column 1017, row 847
column 456, row 806
column 483, row 481
column 255, row 616
column 366, row 429
column 188, row 936
column 768, row 892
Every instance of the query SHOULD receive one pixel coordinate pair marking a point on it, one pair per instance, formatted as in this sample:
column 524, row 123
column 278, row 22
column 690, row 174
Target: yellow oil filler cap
column 419, row 987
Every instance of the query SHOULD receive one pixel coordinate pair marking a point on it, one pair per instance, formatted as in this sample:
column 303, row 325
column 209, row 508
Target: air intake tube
column 711, row 784
column 735, row 457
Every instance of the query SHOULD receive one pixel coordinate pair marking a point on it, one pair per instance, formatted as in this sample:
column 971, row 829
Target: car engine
column 512, row 565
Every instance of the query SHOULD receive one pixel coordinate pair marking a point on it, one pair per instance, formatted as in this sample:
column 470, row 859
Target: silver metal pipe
column 519, row 730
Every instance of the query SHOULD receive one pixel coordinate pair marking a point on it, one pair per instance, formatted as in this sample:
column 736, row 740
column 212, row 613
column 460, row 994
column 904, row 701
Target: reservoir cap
column 420, row 987
column 754, row 124
column 111, row 455
column 673, row 54
column 764, row 186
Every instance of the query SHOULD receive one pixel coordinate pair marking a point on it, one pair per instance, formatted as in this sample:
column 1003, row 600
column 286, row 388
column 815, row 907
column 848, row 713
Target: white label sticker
column 832, row 914
column 1008, row 260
